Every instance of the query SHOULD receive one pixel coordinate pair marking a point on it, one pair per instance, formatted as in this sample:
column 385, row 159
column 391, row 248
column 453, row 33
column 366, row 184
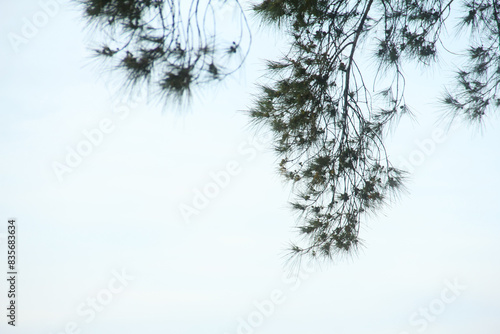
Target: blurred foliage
column 171, row 45
column 328, row 128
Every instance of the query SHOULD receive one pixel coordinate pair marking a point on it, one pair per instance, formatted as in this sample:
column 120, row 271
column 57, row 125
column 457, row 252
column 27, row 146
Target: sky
column 105, row 244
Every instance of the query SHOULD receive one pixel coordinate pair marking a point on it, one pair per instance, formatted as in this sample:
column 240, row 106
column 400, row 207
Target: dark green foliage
column 170, row 44
column 328, row 129
column 330, row 137
column 476, row 92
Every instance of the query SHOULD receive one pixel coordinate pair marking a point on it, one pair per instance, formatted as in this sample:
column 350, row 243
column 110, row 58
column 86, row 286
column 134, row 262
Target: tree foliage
column 328, row 125
column 476, row 88
column 171, row 45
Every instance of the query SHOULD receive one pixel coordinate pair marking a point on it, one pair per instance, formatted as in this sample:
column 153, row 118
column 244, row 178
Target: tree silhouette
column 328, row 125
column 169, row 45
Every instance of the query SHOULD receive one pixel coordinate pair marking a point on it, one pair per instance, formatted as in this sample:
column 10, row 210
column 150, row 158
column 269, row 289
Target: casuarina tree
column 328, row 122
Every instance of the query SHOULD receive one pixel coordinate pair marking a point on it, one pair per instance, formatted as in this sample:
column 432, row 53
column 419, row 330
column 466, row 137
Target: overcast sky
column 104, row 246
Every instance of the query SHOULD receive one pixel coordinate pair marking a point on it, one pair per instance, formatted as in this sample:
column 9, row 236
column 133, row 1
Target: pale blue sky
column 120, row 209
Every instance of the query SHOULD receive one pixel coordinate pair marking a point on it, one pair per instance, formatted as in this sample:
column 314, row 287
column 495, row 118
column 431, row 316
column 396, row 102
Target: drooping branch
column 172, row 45
column 320, row 112
column 328, row 126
